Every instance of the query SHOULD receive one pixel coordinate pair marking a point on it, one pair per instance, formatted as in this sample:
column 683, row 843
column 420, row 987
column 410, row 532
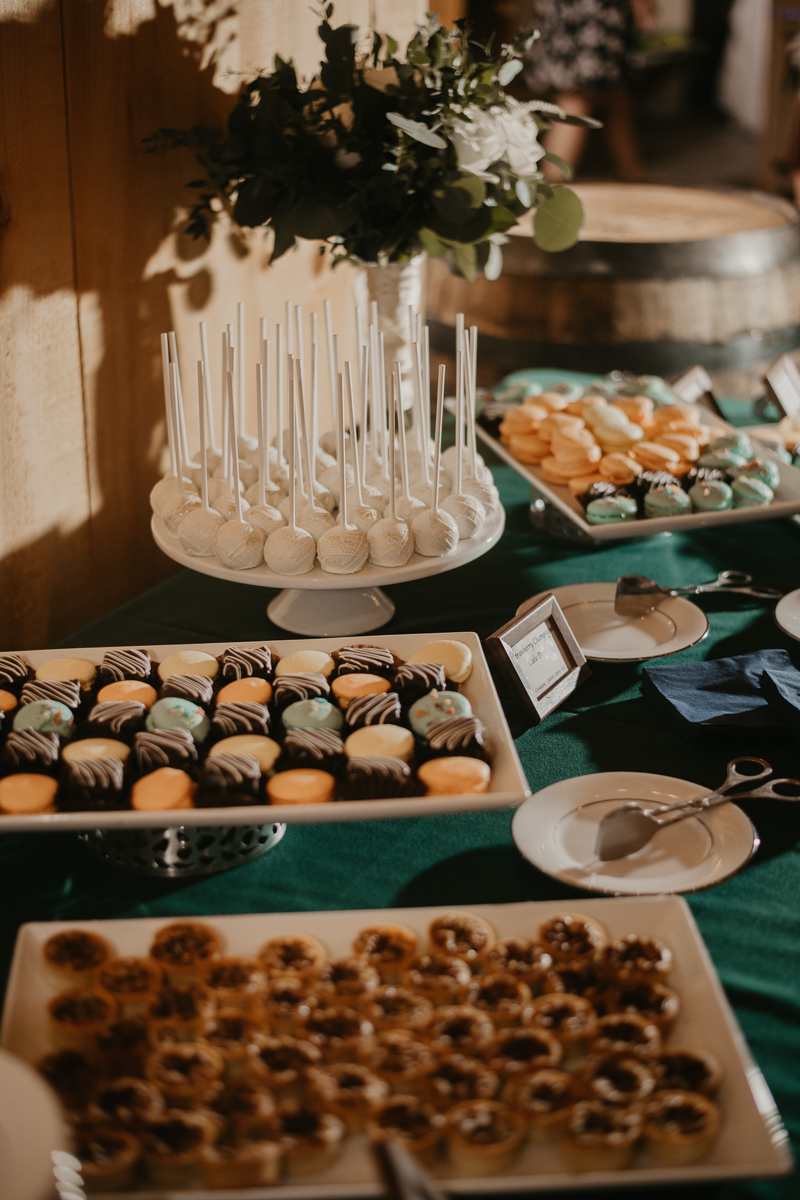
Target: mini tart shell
column 689, row 1071
column 288, row 1002
column 571, row 1018
column 130, row 983
column 121, row 1151
column 341, row 1034
column 183, row 949
column 458, row 1077
column 439, row 978
column 237, row 1036
column 390, row 1007
column 656, row 1002
column 390, row 948
column 626, row 1033
column 521, row 957
column 350, row 1090
column 167, row 1165
column 72, row 957
column 347, row 981
column 503, row 997
column 572, row 937
column 292, row 954
column 670, row 1144
column 517, row 1051
column 235, row 982
column 634, row 959
column 248, row 1164
column 463, row 935
column 402, row 1058
column 186, row 1074
column 472, row 1157
column 617, row 1079
column 178, row 1013
column 306, row 1153
column 574, row 979
column 544, row 1098
column 459, row 1029
column 76, row 1017
column 599, row 1137
column 125, row 1103
column 420, row 1132
column 281, row 1066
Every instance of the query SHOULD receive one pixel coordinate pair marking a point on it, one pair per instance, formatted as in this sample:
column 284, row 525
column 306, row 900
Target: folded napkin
column 780, row 687
column 708, row 700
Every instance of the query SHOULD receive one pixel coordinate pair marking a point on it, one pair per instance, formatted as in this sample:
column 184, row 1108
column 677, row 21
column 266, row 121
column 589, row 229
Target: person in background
column 580, row 61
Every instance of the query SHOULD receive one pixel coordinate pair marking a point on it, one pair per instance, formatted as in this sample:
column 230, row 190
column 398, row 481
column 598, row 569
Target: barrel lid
column 644, row 231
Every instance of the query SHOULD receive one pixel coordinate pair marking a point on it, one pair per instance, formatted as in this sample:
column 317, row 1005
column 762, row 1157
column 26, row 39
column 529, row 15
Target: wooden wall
column 92, row 269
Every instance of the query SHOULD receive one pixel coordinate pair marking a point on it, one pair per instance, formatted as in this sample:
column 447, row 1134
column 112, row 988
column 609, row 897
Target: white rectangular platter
column 785, row 504
column 752, row 1141
column 508, row 785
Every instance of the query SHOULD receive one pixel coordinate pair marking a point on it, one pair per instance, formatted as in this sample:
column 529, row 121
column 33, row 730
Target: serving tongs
column 402, row 1175
column 636, row 595
column 630, row 827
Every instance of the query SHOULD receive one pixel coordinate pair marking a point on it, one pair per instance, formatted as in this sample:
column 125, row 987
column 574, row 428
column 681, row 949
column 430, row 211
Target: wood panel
column 774, row 174
column 45, row 543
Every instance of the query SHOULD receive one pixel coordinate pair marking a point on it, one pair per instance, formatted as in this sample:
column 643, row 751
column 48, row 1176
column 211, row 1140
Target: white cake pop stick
column 172, row 486
column 359, row 343
column 422, row 423
column 344, row 549
column 240, row 381
column 211, row 433
column 290, row 330
column 173, row 455
column 467, row 512
column 314, row 393
column 198, row 528
column 339, row 426
column 237, row 544
column 292, row 373
column 391, row 542
column 281, row 384
column 300, row 355
column 359, row 511
column 312, row 517
column 291, row 550
column 225, row 430
column 263, row 515
column 332, row 368
column 376, row 398
column 384, row 403
column 173, row 354
column 364, row 381
column 435, row 531
column 184, row 497
column 407, row 506
column 469, row 387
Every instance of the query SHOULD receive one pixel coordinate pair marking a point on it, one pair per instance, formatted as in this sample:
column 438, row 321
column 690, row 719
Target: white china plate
column 785, row 504
column 752, row 1141
column 556, row 830
column 31, row 1128
column 787, row 614
column 508, row 783
column 418, row 566
column 603, row 636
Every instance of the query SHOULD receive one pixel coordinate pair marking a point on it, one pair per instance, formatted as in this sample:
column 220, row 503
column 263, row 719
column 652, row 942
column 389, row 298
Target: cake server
column 636, row 595
column 403, row 1176
column 631, row 826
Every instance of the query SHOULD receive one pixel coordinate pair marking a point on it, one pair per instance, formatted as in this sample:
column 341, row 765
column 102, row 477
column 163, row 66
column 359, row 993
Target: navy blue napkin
column 709, row 700
column 780, row 687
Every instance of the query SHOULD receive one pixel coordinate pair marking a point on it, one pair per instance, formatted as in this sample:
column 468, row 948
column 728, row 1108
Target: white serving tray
column 752, row 1141
column 508, row 784
column 785, row 504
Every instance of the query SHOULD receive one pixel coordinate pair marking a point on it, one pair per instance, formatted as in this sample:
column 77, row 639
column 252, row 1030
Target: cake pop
column 237, row 544
column 406, row 506
column 467, row 512
column 182, row 502
column 198, row 528
column 435, row 532
column 175, row 484
column 344, row 549
column 361, row 514
column 391, row 542
column 263, row 515
column 291, row 550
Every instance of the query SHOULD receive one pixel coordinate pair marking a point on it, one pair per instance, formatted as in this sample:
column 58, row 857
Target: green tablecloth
column 751, row 923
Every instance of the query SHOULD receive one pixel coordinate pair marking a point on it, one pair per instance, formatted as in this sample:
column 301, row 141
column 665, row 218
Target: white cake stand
column 323, row 605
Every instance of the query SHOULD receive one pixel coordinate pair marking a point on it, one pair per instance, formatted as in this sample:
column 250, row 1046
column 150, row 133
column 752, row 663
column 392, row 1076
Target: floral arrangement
column 383, row 156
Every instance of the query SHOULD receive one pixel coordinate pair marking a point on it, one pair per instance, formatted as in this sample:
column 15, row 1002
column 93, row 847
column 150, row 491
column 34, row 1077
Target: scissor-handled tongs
column 628, row 828
column 637, row 595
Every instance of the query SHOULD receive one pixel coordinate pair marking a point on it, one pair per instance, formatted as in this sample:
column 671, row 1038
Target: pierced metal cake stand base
column 181, row 851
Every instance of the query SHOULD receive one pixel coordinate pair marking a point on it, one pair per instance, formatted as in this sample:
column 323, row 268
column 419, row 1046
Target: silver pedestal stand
column 181, row 851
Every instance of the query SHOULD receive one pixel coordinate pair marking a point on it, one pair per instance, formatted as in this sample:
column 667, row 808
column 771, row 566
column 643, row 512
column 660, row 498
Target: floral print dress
column 582, row 47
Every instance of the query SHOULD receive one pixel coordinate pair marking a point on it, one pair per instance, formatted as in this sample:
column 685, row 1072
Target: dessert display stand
column 181, row 851
column 320, row 604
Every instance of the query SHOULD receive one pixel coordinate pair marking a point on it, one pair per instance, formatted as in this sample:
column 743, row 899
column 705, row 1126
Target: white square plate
column 508, row 783
column 752, row 1142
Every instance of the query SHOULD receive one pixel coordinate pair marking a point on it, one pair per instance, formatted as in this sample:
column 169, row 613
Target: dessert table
column 749, row 922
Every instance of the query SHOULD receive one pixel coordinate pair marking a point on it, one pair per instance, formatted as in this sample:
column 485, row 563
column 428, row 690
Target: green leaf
column 431, row 244
column 561, row 163
column 474, row 187
column 317, row 219
column 573, row 119
column 454, row 205
column 508, row 71
column 418, row 131
column 463, row 257
column 558, row 220
column 284, row 240
column 474, row 230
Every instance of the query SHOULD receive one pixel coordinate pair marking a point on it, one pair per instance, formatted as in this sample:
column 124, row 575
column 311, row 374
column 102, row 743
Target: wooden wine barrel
column 662, row 277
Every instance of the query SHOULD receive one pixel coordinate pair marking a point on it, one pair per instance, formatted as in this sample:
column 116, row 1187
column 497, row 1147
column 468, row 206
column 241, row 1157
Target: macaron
column 263, row 749
column 312, row 714
column 128, row 689
column 455, row 657
column 668, row 501
column 380, row 741
column 351, row 687
column 63, row 670
column 301, row 786
column 97, row 747
column 250, row 690
column 302, row 661
column 751, row 493
column 713, row 496
column 23, row 794
column 739, row 442
column 434, row 707
column 759, row 468
column 46, row 716
column 724, row 457
column 8, row 701
column 610, row 510
column 163, row 789
column 188, row 662
column 454, row 776
column 174, row 713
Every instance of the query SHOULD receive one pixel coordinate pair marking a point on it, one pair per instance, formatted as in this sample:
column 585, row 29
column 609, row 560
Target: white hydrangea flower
column 501, row 132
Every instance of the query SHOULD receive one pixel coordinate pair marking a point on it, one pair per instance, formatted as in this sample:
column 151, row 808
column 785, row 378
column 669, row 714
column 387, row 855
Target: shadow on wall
column 115, row 91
